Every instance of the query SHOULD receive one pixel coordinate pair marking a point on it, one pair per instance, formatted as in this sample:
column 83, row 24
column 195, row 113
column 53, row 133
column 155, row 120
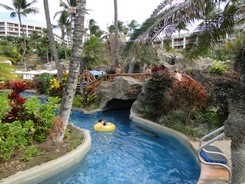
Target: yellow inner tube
column 104, row 128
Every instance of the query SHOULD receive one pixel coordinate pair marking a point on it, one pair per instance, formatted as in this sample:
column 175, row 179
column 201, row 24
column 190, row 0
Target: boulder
column 119, row 94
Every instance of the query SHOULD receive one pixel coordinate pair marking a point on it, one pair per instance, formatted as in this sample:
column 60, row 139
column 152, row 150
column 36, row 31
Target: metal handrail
column 202, row 147
column 210, row 134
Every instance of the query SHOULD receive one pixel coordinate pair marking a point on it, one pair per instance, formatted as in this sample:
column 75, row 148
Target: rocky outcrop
column 119, row 94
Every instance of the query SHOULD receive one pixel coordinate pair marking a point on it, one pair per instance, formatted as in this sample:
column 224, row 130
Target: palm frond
column 6, row 7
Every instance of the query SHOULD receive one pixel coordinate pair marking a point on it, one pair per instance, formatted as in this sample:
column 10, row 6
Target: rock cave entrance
column 118, row 104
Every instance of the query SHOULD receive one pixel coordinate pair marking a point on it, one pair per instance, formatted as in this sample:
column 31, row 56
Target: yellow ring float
column 108, row 127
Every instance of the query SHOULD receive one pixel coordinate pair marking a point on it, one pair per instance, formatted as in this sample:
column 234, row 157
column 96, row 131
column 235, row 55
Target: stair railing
column 202, row 148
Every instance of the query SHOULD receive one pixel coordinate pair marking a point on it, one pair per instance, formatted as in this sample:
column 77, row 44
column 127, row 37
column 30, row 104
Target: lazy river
column 129, row 155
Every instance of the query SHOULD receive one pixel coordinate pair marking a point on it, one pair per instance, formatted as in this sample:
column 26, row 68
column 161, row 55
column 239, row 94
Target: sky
column 102, row 11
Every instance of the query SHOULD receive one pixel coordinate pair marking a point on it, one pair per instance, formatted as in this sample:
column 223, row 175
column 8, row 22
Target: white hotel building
column 9, row 28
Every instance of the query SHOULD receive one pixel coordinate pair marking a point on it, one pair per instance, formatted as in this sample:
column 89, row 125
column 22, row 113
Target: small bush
column 85, row 99
column 30, row 152
column 218, row 67
column 156, row 90
column 188, row 96
column 42, row 83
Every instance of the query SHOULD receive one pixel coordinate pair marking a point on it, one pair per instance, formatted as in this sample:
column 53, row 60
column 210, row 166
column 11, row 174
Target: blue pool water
column 130, row 156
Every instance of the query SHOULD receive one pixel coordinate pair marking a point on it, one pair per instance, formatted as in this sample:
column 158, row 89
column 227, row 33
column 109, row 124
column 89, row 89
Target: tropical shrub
column 30, row 152
column 55, row 88
column 13, row 135
column 42, row 83
column 156, row 90
column 16, row 102
column 24, row 121
column 34, row 127
column 4, row 105
column 188, row 96
column 218, row 67
column 84, row 99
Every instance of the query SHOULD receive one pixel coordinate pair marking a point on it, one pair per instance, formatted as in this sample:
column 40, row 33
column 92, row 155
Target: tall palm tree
column 214, row 24
column 70, row 8
column 116, row 33
column 71, row 85
column 65, row 27
column 51, row 39
column 21, row 8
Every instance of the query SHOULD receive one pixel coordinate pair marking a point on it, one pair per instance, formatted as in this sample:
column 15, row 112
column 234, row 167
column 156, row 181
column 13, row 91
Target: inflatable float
column 108, row 127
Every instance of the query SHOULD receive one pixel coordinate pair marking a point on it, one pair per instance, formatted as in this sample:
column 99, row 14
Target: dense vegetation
column 24, row 121
column 186, row 106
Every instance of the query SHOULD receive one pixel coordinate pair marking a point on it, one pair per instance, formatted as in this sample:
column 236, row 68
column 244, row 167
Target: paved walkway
column 215, row 174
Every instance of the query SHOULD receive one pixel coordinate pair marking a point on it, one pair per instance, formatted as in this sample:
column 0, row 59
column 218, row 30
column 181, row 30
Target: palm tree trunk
column 52, row 42
column 116, row 33
column 71, row 85
column 23, row 60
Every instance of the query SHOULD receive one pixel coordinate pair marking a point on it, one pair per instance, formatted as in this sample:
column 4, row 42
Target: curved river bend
column 129, row 155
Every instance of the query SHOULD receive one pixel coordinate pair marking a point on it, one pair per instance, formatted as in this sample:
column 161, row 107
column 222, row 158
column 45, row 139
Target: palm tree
column 52, row 42
column 71, row 85
column 116, row 33
column 214, row 24
column 21, row 8
column 70, row 8
column 65, row 27
column 132, row 26
column 94, row 29
column 120, row 26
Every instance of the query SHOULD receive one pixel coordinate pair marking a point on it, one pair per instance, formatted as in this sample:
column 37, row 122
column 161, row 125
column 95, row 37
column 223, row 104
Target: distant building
column 8, row 28
column 180, row 41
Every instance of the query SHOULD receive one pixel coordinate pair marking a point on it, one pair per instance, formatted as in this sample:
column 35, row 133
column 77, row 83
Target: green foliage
column 13, row 135
column 145, row 111
column 167, row 45
column 222, row 53
column 208, row 117
column 6, row 72
column 197, row 125
column 32, row 106
column 42, row 83
column 95, row 52
column 156, row 92
column 143, row 53
column 218, row 67
column 45, row 118
column 9, row 49
column 4, row 105
column 33, row 126
column 190, row 71
column 30, row 152
column 84, row 99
